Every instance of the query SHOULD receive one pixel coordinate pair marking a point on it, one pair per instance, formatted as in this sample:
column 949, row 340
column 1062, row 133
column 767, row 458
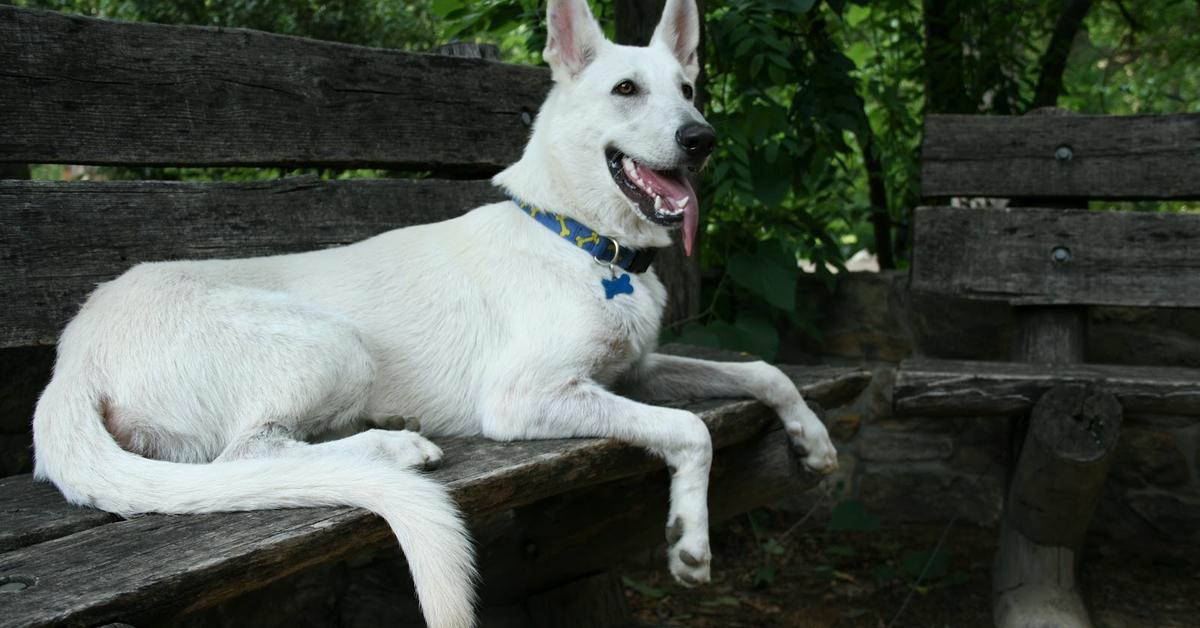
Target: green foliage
column 643, row 588
column 1136, row 57
column 852, row 515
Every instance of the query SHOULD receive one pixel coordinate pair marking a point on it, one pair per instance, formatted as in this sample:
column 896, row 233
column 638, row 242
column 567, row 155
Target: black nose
column 696, row 139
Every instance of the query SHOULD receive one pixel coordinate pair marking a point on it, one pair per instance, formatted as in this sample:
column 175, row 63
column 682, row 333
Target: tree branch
column 945, row 86
column 1054, row 60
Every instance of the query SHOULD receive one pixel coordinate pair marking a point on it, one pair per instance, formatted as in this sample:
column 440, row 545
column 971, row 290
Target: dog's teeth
column 658, row 204
column 630, row 169
column 682, row 202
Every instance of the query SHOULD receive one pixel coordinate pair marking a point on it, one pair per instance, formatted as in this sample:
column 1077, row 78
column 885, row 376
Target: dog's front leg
column 572, row 407
column 662, row 377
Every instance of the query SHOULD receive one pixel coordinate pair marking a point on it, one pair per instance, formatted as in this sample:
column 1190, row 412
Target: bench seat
column 964, row 387
column 83, row 566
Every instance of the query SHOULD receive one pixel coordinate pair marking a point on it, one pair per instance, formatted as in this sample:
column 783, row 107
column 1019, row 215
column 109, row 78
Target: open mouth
column 664, row 197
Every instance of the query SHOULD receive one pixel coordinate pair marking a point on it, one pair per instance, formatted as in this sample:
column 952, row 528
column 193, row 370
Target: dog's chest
column 626, row 326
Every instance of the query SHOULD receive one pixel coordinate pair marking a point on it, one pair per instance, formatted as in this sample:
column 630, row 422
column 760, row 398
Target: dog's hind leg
column 524, row 408
column 663, row 377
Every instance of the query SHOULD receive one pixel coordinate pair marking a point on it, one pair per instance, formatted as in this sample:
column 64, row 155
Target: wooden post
column 1049, row 335
column 1057, row 481
column 1065, row 451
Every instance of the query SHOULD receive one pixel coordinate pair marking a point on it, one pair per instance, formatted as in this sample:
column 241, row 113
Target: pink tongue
column 671, row 189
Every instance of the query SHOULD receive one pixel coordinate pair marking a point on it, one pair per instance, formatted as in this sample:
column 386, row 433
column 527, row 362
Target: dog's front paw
column 688, row 556
column 810, row 440
column 817, row 452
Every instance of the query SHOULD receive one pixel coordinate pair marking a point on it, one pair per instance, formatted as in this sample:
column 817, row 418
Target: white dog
column 512, row 322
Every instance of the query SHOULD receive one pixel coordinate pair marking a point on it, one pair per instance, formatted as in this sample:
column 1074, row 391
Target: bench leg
column 1065, row 458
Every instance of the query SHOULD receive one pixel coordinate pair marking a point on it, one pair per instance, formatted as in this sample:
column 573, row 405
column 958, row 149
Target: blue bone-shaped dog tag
column 617, row 285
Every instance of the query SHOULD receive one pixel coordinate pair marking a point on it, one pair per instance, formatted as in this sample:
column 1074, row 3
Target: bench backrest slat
column 57, row 240
column 1062, row 156
column 1060, row 256
column 1056, row 256
column 87, row 91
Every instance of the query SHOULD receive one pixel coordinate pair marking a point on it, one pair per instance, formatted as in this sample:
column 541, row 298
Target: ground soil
column 810, row 577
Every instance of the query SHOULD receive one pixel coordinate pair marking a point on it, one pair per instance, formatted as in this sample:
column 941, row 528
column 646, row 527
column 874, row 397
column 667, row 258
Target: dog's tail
column 74, row 450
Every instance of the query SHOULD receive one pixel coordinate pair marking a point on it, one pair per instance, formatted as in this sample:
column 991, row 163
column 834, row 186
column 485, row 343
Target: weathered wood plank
column 187, row 562
column 33, row 512
column 968, row 388
column 1078, row 156
column 58, row 240
column 89, row 91
column 1058, row 257
column 155, row 561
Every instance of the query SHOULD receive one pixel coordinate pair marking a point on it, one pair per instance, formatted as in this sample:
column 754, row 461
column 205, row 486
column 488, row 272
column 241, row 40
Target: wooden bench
column 1050, row 257
column 85, row 91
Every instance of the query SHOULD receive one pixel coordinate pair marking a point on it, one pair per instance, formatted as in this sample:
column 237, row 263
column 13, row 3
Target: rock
column 935, row 492
column 845, row 426
column 1151, row 336
column 865, row 316
column 879, row 445
column 1175, row 515
column 1150, row 457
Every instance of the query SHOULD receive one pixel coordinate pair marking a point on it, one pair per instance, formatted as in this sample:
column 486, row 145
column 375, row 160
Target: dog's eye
column 625, row 88
column 688, row 92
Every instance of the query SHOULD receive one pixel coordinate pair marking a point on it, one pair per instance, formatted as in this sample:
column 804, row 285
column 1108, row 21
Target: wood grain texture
column 1073, row 431
column 180, row 563
column 1053, row 492
column 33, row 512
column 966, row 388
column 1055, row 334
column 58, row 240
column 1110, row 157
column 1105, row 258
column 87, row 91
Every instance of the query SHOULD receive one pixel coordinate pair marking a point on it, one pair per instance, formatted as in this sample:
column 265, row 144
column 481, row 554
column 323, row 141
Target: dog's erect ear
column 679, row 31
column 574, row 37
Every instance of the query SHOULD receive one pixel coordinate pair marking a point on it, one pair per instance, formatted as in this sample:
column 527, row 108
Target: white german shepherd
column 490, row 324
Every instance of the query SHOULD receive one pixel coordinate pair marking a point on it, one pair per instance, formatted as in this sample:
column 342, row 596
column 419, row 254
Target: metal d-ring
column 612, row 262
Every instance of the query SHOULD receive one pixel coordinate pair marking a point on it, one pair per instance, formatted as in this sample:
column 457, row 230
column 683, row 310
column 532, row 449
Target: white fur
column 487, row 324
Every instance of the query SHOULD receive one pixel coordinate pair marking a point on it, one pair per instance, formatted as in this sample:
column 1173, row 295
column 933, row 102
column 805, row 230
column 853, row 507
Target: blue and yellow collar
column 596, row 245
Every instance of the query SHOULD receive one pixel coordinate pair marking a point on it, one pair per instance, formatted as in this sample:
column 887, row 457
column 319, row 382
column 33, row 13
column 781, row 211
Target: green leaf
column 764, row 577
column 759, row 335
column 774, row 283
column 842, row 550
column 772, row 178
column 698, row 335
column 914, row 563
column 643, row 588
column 851, row 515
column 883, row 573
column 443, row 8
column 724, row 600
column 772, row 547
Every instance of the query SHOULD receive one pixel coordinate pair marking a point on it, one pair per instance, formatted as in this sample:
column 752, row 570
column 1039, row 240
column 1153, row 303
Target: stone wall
column 912, row 468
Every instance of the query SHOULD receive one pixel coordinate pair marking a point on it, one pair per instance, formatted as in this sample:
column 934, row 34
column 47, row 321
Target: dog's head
column 620, row 129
